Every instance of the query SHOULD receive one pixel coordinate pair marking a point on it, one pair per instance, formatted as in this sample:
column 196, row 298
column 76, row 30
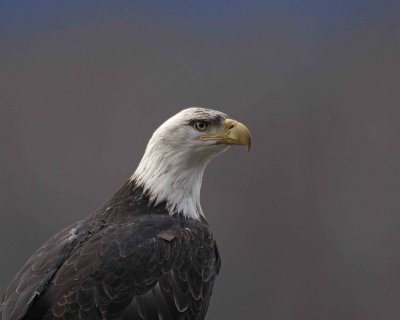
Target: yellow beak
column 234, row 133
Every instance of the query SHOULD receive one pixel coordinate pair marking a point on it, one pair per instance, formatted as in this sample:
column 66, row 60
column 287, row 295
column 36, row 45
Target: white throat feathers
column 173, row 164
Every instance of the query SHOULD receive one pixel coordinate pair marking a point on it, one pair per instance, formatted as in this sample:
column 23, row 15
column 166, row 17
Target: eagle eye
column 200, row 125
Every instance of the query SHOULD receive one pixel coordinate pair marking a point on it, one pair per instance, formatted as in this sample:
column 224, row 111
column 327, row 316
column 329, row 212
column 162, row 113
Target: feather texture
column 123, row 262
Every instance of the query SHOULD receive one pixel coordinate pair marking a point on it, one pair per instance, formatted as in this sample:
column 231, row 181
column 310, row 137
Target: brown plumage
column 127, row 261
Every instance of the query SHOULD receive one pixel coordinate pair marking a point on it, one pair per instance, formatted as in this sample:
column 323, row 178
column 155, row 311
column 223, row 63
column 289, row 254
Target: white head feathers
column 173, row 164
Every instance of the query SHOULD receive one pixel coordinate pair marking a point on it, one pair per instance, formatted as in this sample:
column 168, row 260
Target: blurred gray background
column 308, row 223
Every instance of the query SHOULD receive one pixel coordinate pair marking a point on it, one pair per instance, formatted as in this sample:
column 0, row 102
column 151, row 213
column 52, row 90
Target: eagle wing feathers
column 148, row 268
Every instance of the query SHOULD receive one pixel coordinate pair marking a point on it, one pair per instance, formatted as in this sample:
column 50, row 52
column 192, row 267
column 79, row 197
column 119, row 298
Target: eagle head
column 178, row 152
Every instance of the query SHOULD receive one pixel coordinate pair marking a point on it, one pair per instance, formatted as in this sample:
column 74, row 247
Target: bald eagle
column 148, row 253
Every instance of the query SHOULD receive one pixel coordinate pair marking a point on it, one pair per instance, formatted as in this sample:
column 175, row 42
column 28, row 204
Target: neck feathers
column 174, row 178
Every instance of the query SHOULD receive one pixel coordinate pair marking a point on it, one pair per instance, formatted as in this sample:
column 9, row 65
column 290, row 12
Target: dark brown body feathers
column 129, row 260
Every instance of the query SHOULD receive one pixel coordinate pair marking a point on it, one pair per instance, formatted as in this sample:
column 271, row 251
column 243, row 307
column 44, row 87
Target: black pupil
column 201, row 125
